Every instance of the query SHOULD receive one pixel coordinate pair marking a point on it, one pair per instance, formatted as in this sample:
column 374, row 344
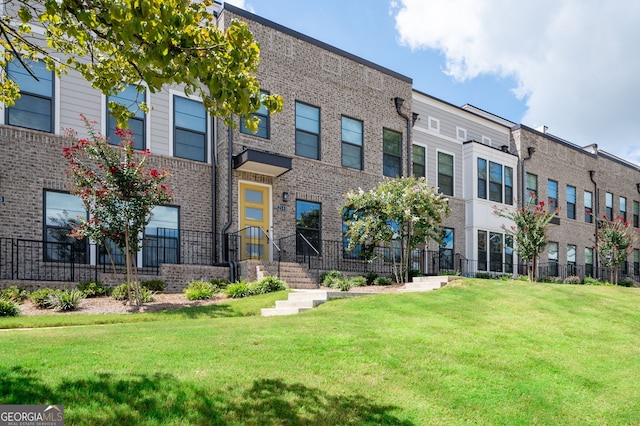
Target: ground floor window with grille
column 62, row 211
column 447, row 250
column 588, row 262
column 495, row 252
column 161, row 243
column 308, row 221
column 552, row 253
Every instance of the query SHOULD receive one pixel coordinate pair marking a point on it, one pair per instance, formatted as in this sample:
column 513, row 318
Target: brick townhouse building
column 244, row 200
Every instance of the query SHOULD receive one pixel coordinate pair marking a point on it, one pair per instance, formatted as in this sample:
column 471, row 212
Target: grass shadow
column 163, row 399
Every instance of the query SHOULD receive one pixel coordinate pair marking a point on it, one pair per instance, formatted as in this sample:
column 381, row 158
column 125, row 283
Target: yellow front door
column 255, row 216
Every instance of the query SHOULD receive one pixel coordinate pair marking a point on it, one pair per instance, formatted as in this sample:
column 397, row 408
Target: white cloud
column 575, row 61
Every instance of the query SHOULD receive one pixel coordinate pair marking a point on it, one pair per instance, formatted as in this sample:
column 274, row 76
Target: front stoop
column 303, row 300
column 426, row 283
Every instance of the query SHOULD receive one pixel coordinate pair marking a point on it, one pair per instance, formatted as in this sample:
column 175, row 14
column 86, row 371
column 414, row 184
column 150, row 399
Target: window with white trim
column 434, row 124
column 130, row 97
column 35, row 107
column 461, row 134
column 189, row 129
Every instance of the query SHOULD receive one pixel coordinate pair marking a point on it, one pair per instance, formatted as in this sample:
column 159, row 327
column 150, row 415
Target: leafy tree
column 113, row 44
column 399, row 214
column 119, row 195
column 529, row 231
column 615, row 242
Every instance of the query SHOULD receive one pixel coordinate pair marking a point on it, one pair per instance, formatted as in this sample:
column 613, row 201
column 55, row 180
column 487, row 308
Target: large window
column 508, row 185
column 446, row 250
column 130, row 97
column 552, row 191
column 482, row 178
column 636, row 262
column 445, row 173
column 419, row 158
column 552, row 255
column 636, row 214
column 35, row 107
column 61, row 212
column 571, row 202
column 190, row 129
column 508, row 253
column 608, row 199
column 352, row 143
column 264, row 127
column 571, row 259
column 495, row 251
column 162, row 237
column 482, row 250
column 623, row 208
column 588, row 261
column 307, row 131
column 588, row 207
column 495, row 182
column 532, row 188
column 308, row 221
column 392, row 153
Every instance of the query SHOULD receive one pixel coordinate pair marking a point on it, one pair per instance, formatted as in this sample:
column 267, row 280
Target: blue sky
column 566, row 64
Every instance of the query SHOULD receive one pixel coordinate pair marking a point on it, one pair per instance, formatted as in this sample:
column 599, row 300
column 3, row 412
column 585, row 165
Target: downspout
column 530, row 151
column 596, row 215
column 214, row 193
column 225, row 228
column 398, row 103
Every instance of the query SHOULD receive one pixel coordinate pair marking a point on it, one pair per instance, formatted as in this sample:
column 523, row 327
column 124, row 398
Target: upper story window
column 623, row 208
column 532, row 188
column 129, row 97
column 35, row 107
column 495, row 182
column 498, row 179
column 588, row 207
column 552, row 190
column 307, row 131
column 189, row 129
column 61, row 211
column 445, row 173
column 352, row 143
column 608, row 200
column 482, row 178
column 486, row 140
column 419, row 158
column 508, row 185
column 571, row 202
column 636, row 214
column 434, row 124
column 264, row 127
column 461, row 134
column 392, row 153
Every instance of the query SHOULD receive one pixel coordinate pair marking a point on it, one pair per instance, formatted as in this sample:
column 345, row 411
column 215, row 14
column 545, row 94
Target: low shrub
column 573, row 279
column 93, row 288
column 331, row 278
column 342, row 285
column 146, row 295
column 359, row 281
column 199, row 290
column 551, row 280
column 154, row 285
column 268, row 285
column 120, row 292
column 371, row 277
column 595, row 281
column 626, row 283
column 382, row 281
column 67, row 300
column 219, row 284
column 484, row 275
column 41, row 298
column 14, row 294
column 8, row 308
column 238, row 290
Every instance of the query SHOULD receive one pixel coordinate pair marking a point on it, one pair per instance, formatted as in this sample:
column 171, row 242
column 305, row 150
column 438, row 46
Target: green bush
column 573, row 279
column 371, row 277
column 484, row 275
column 268, row 285
column 359, row 281
column 93, row 288
column 67, row 300
column 120, row 292
column 8, row 308
column 239, row 289
column 219, row 284
column 552, row 280
column 342, row 285
column 154, row 285
column 41, row 297
column 331, row 278
column 199, row 290
column 626, row 283
column 14, row 294
column 146, row 295
column 382, row 281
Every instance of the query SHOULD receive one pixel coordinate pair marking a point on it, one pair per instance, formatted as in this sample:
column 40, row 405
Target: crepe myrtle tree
column 615, row 242
column 147, row 43
column 399, row 214
column 529, row 231
column 119, row 193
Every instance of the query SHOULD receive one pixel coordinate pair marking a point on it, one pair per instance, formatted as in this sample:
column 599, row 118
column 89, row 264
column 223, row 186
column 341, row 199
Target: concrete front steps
column 426, row 283
column 294, row 274
column 303, row 300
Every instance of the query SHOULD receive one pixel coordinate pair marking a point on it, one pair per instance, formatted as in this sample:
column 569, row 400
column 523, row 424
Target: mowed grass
column 480, row 353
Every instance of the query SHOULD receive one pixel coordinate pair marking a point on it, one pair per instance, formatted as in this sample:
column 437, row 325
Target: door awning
column 264, row 163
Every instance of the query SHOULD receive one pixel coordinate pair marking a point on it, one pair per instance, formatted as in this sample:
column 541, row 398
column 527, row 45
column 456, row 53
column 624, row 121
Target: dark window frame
column 111, row 121
column 306, row 132
column 177, row 129
column 450, row 186
column 417, row 165
column 25, row 94
column 265, row 122
column 313, row 234
column 350, row 145
column 482, row 176
column 391, row 162
column 79, row 253
column 571, row 201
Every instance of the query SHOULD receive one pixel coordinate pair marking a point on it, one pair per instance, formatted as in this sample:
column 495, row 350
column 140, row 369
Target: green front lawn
column 484, row 353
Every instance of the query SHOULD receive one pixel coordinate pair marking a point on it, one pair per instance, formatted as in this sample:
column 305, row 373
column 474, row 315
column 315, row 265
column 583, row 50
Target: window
column 552, row 190
column 307, row 131
column 129, row 97
column 636, row 214
column 508, row 253
column 461, row 134
column 308, row 221
column 552, row 255
column 445, row 173
column 623, row 208
column 434, row 124
column 495, row 252
column 588, row 261
column 61, row 216
column 532, row 188
column 263, row 126
column 358, row 250
column 571, row 259
column 636, row 262
column 482, row 178
column 35, row 107
column 161, row 242
column 190, row 129
column 352, row 149
column 571, row 202
column 486, row 140
column 508, row 185
column 588, row 207
column 609, row 205
column 495, row 182
column 446, row 250
column 482, row 250
column 392, row 153
column 419, row 158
